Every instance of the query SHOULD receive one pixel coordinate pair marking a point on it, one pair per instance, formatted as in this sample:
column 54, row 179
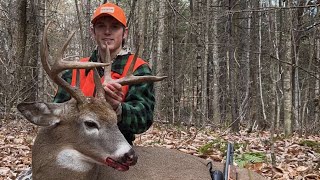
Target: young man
column 134, row 104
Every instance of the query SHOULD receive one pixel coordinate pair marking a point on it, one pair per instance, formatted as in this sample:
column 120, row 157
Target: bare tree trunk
column 80, row 27
column 282, row 55
column 216, row 69
column 287, row 78
column 159, row 87
column 274, row 71
column 317, row 86
column 41, row 75
column 89, row 42
column 142, row 25
column 199, row 59
column 174, row 95
column 254, row 108
column 204, row 65
column 32, row 55
column 244, row 108
column 232, row 72
column 274, row 77
column 21, row 32
column 21, row 42
column 261, row 122
column 152, row 39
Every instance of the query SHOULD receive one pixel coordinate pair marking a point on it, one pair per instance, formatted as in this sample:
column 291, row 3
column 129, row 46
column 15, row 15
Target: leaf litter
column 295, row 157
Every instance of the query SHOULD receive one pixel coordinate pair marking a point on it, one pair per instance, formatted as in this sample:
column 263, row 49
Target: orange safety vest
column 87, row 85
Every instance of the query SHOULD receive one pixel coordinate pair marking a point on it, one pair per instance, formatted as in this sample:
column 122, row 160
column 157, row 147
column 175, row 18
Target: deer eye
column 91, row 124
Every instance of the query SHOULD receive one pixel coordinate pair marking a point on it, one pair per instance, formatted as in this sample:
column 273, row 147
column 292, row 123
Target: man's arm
column 138, row 106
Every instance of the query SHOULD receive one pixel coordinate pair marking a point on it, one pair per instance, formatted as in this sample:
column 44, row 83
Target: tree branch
column 313, row 74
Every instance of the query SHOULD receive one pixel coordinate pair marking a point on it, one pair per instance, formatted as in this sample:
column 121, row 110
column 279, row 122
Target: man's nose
column 107, row 30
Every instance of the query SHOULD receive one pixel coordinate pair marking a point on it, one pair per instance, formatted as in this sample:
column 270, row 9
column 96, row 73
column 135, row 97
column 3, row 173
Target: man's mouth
column 108, row 40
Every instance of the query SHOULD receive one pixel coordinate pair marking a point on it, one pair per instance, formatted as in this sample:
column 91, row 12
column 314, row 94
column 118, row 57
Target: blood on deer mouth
column 116, row 165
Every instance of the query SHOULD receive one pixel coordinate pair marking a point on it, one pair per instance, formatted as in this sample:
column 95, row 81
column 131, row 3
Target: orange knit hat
column 109, row 9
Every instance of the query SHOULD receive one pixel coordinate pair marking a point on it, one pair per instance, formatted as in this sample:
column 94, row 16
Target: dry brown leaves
column 293, row 161
column 16, row 138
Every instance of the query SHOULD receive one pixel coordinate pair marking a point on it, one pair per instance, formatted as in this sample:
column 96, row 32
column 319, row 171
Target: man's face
column 107, row 30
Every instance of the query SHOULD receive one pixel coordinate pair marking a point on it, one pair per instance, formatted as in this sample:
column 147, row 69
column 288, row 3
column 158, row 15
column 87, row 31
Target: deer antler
column 127, row 80
column 60, row 65
column 131, row 79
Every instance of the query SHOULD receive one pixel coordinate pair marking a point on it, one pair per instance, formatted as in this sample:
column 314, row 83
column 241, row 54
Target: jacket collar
column 95, row 54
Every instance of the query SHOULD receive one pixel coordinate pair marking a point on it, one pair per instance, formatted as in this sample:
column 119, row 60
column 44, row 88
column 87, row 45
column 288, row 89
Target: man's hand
column 114, row 94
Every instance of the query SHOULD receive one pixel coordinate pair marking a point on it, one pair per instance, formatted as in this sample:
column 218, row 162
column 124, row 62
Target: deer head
column 83, row 130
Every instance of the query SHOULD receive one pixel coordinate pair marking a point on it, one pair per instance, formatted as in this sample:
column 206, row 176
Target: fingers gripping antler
column 61, row 65
column 129, row 79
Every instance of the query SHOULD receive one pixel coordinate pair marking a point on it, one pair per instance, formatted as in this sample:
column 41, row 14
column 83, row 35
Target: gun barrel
column 229, row 161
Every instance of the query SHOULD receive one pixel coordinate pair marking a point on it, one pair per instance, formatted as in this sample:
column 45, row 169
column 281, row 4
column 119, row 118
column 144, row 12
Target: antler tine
column 127, row 80
column 135, row 57
column 131, row 79
column 99, row 89
column 100, row 93
column 61, row 65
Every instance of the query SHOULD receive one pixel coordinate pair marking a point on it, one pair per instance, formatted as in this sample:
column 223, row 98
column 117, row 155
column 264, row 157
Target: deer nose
column 130, row 158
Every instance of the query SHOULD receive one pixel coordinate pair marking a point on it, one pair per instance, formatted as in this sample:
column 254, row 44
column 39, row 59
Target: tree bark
column 21, row 32
column 216, row 70
column 287, row 78
column 199, row 59
column 158, row 63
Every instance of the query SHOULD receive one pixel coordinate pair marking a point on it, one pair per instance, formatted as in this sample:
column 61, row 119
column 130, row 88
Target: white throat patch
column 73, row 160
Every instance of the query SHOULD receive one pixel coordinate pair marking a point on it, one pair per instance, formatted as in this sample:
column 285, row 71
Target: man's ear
column 92, row 31
column 125, row 33
column 41, row 114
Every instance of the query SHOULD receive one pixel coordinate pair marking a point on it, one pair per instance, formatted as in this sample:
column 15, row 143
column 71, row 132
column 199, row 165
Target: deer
column 79, row 139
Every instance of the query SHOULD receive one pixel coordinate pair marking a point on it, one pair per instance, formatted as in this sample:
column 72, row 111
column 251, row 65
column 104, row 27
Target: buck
column 80, row 140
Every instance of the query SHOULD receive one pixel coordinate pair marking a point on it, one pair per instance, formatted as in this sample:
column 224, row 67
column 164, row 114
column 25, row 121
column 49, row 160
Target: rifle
column 228, row 170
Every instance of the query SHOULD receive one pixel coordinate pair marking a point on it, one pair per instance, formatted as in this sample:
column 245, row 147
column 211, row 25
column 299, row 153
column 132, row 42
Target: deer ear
column 41, row 114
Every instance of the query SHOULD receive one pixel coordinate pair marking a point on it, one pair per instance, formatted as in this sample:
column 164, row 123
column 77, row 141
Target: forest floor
column 295, row 158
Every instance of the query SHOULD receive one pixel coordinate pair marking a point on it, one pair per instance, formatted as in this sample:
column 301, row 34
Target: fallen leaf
column 302, row 168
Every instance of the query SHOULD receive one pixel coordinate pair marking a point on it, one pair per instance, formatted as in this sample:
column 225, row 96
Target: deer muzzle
column 123, row 163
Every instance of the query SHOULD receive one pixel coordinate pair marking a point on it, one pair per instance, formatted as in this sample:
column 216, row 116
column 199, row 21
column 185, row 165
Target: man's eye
column 91, row 124
column 100, row 25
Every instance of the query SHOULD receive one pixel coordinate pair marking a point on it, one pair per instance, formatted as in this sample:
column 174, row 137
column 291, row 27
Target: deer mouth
column 117, row 165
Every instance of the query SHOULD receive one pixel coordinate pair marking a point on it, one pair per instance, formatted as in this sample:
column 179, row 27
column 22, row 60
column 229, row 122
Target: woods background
column 232, row 63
